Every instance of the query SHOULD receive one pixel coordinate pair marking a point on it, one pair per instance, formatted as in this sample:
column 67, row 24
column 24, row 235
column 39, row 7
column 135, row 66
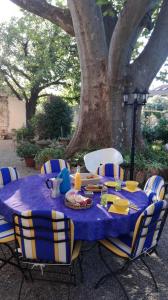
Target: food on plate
column 77, row 200
column 91, row 176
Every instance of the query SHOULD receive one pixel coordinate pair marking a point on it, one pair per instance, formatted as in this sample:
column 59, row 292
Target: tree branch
column 146, row 66
column 56, row 15
column 10, row 75
column 11, row 86
column 44, row 86
column 128, row 21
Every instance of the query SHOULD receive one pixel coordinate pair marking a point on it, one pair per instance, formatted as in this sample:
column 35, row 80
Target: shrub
column 158, row 132
column 49, row 153
column 25, row 133
column 26, row 149
column 55, row 119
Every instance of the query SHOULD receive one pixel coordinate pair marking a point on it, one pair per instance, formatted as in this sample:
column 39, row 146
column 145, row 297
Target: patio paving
column 136, row 280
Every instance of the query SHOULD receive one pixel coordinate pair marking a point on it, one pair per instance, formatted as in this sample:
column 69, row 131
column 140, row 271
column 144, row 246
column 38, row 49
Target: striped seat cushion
column 111, row 170
column 46, row 236
column 154, row 188
column 145, row 236
column 6, row 231
column 8, row 174
column 54, row 166
column 120, row 246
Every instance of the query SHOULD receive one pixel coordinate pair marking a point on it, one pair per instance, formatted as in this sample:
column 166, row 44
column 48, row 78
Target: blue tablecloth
column 95, row 223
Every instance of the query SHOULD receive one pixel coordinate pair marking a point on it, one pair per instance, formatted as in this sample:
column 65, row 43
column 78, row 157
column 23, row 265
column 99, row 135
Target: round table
column 95, row 223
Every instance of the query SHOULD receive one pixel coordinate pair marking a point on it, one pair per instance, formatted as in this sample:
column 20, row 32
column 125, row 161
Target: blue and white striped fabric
column 6, row 231
column 8, row 174
column 111, row 170
column 54, row 166
column 155, row 188
column 145, row 236
column 46, row 236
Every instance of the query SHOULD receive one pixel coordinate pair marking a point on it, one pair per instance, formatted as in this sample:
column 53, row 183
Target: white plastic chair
column 94, row 159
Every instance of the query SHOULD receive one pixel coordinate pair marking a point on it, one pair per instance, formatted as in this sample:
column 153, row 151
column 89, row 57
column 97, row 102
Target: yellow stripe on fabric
column 61, row 164
column 42, row 170
column 121, row 173
column 136, row 229
column 7, row 239
column 76, row 250
column 32, row 233
column 162, row 192
column 54, row 224
column 17, row 229
column 113, row 248
column 115, row 167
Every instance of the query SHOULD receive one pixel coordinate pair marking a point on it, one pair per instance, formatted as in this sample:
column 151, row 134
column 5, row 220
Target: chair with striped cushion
column 111, row 170
column 143, row 241
column 6, row 236
column 8, row 174
column 54, row 166
column 155, row 188
column 46, row 238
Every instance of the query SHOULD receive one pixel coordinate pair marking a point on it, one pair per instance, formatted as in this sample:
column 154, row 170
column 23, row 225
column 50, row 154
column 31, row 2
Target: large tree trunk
column 31, row 107
column 94, row 126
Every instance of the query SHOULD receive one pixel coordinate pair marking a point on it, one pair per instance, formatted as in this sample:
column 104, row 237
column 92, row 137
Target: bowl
column 87, row 178
column 121, row 204
column 131, row 185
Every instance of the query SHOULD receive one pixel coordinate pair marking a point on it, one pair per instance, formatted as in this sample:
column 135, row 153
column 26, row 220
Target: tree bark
column 56, row 15
column 31, row 106
column 92, row 129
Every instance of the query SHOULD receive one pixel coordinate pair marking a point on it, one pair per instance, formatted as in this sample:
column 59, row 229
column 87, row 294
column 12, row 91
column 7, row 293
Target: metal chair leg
column 150, row 272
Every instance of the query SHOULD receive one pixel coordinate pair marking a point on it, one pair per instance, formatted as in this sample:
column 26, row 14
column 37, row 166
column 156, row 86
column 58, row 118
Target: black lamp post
column 135, row 99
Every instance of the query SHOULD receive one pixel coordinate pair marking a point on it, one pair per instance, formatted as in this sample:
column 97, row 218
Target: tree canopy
column 34, row 56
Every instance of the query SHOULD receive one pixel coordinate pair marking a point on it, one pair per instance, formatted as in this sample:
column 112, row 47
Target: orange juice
column 78, row 181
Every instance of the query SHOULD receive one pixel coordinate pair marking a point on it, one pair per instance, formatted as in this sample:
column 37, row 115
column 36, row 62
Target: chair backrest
column 94, row 159
column 148, row 228
column 111, row 170
column 8, row 174
column 155, row 188
column 44, row 236
column 54, row 166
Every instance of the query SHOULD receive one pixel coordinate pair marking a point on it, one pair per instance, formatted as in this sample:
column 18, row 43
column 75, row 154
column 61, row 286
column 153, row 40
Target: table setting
column 103, row 209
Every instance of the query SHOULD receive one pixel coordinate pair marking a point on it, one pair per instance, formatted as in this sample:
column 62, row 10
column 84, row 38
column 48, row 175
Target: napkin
column 114, row 210
column 131, row 191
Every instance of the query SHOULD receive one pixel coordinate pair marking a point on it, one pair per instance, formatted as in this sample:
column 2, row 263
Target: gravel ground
column 136, row 280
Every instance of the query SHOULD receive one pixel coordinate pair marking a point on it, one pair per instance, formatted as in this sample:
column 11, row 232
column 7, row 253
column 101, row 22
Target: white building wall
column 17, row 113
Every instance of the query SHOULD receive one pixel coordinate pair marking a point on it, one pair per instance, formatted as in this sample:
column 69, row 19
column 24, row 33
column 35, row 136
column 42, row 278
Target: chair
column 94, row 159
column 54, row 166
column 111, row 170
column 155, row 188
column 143, row 241
column 7, row 174
column 46, row 238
